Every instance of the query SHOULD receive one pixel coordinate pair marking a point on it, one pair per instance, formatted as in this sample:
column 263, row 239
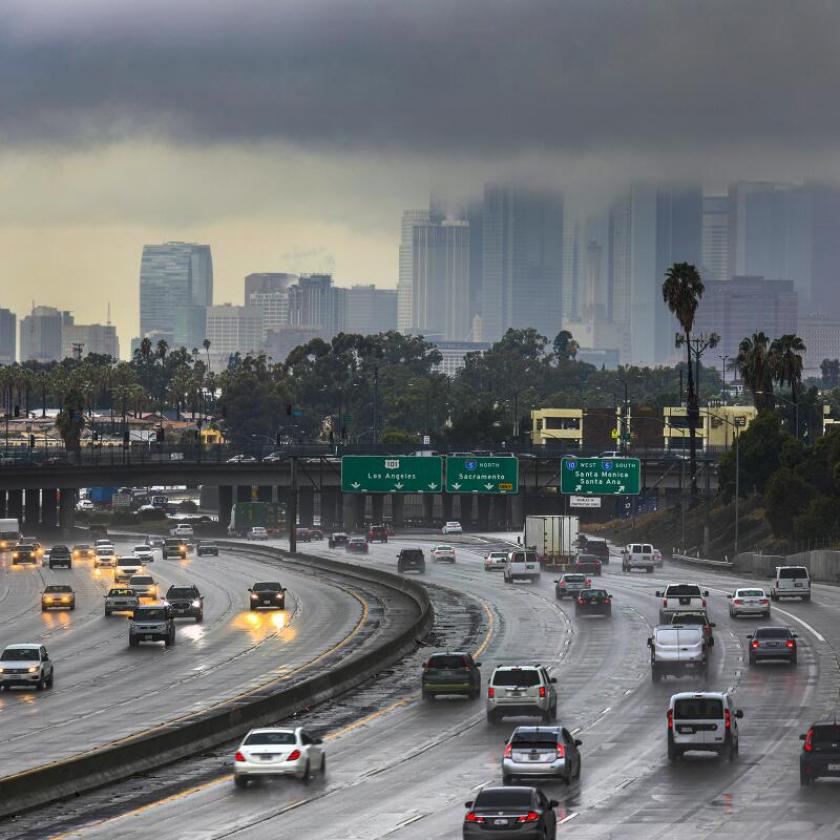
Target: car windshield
column 142, row 548
column 683, row 590
column 127, row 561
column 280, row 738
column 447, row 661
column 57, row 588
column 516, row 678
column 142, row 579
column 500, row 798
column 793, row 572
column 266, row 587
column 120, row 593
column 153, row 614
column 750, row 593
column 498, row 555
column 772, row 633
column 105, row 552
column 81, row 547
column 444, row 548
column 181, row 592
column 59, row 549
column 20, row 654
column 698, row 708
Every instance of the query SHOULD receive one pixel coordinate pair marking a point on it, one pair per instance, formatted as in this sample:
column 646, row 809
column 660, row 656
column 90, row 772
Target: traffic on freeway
column 597, row 714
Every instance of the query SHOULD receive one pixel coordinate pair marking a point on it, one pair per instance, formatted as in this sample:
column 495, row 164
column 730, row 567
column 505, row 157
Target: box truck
column 553, row 538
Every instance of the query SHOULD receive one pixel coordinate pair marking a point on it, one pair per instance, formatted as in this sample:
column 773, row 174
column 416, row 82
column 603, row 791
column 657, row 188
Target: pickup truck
column 638, row 556
column 680, row 597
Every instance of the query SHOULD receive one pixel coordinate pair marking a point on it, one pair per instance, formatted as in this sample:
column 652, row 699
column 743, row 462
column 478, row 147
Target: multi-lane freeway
column 401, row 767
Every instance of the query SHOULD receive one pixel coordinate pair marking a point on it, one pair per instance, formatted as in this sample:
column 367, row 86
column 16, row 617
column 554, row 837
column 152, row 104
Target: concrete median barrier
column 230, row 719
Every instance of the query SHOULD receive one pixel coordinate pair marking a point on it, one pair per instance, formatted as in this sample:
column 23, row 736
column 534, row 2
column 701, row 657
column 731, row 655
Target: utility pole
column 375, row 405
column 293, row 498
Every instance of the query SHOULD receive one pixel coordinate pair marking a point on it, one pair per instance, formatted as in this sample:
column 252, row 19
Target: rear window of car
column 412, row 554
column 496, row 798
column 142, row 579
column 635, row 548
column 750, row 593
column 534, row 741
column 593, row 594
column 574, row 578
column 825, row 735
column 523, row 557
column 281, row 738
column 516, row 678
column 772, row 633
column 447, row 661
column 669, row 637
column 683, row 591
column 793, row 572
column 120, row 593
column 698, row 708
column 127, row 561
column 57, row 588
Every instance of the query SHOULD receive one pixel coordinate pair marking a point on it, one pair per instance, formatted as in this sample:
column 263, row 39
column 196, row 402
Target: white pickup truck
column 638, row 556
column 680, row 597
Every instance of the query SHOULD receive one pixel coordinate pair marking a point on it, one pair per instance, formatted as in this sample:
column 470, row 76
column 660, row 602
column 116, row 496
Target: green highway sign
column 600, row 476
column 480, row 474
column 391, row 474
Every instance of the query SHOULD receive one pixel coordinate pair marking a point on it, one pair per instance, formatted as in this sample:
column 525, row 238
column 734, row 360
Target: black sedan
column 772, row 643
column 510, row 813
column 593, row 602
column 820, row 754
column 268, row 594
column 357, row 545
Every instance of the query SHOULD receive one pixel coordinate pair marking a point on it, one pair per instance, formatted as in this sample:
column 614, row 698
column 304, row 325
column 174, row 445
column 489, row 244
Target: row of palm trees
column 764, row 364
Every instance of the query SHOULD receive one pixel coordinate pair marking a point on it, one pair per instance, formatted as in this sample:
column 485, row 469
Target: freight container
column 247, row 515
column 554, row 538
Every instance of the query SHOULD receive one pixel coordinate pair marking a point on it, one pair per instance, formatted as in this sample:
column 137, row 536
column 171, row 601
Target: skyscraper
column 91, row 338
column 825, row 265
column 8, row 337
column 232, row 329
column 41, row 334
column 175, row 277
column 405, row 286
column 715, row 238
column 315, row 302
column 269, row 292
column 371, row 310
column 523, row 261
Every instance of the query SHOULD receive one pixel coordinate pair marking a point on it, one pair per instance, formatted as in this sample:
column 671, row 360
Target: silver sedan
column 278, row 752
column 752, row 601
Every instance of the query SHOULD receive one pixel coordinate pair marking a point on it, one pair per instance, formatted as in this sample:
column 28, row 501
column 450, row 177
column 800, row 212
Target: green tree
column 682, row 290
column 786, row 496
column 755, row 364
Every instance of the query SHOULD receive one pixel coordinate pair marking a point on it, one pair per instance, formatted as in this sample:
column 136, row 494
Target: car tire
column 241, row 782
column 199, row 618
column 51, row 680
column 752, row 661
column 732, row 753
column 673, row 752
column 508, row 780
column 806, row 597
column 41, row 684
column 804, row 779
column 43, row 608
column 649, row 571
column 655, row 675
column 307, row 774
column 579, row 764
column 107, row 613
column 132, row 642
column 491, row 717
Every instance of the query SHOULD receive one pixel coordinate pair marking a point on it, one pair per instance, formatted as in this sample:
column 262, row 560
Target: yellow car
column 58, row 597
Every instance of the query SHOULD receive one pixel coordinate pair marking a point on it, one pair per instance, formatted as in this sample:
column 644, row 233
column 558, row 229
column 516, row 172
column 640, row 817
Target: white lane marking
column 566, row 819
column 800, row 621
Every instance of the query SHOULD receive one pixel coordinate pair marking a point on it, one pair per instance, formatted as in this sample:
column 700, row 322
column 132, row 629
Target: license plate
column 834, row 766
column 148, row 637
column 267, row 601
column 686, row 730
column 798, row 585
column 501, row 822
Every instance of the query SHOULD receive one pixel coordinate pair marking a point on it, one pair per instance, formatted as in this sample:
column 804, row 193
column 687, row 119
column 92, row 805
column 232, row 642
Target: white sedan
column 495, row 561
column 257, row 533
column 143, row 553
column 444, row 553
column 452, row 528
column 752, row 601
column 278, row 752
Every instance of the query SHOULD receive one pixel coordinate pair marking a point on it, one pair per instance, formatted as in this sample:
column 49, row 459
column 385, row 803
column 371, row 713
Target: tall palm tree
column 681, row 291
column 755, row 364
column 206, row 345
column 786, row 355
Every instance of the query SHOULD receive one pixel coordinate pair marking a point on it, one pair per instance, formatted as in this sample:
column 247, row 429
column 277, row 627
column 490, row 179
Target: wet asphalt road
column 405, row 769
column 105, row 690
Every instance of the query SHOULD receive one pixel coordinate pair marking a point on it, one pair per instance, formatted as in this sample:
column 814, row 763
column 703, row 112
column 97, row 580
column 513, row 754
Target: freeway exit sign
column 391, row 474
column 479, row 474
column 601, row 476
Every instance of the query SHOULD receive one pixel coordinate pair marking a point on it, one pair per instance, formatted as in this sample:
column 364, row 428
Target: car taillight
column 239, row 757
column 790, row 643
column 508, row 750
column 755, row 643
column 587, row 582
column 727, row 719
column 664, row 602
column 606, row 600
column 737, row 601
column 471, row 817
column 670, row 718
column 703, row 601
column 294, row 755
column 561, row 751
column 542, row 691
column 531, row 816
column 808, row 746
column 764, row 601
column 491, row 692
column 581, row 601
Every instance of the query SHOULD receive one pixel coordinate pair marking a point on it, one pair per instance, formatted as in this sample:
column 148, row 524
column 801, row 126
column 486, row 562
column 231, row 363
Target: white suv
column 791, row 582
column 27, row 665
column 521, row 690
column 522, row 564
column 705, row 721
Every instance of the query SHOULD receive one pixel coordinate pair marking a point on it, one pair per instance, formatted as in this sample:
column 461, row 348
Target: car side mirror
column 578, row 742
column 477, row 664
column 802, row 737
column 553, row 803
column 729, row 596
column 794, row 635
column 658, row 594
column 250, row 589
column 749, row 636
column 705, row 593
column 468, row 804
column 650, row 642
column 713, row 624
column 557, row 580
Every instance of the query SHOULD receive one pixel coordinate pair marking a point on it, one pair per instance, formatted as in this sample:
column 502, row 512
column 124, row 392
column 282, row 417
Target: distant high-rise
column 8, row 337
column 41, row 334
column 770, row 233
column 370, row 310
column 825, row 265
column 269, row 292
column 522, row 261
column 315, row 302
column 405, row 286
column 175, row 277
column 233, row 329
column 91, row 338
column 715, row 248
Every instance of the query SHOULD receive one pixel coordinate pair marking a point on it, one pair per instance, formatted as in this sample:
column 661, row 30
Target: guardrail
column 230, row 719
column 701, row 561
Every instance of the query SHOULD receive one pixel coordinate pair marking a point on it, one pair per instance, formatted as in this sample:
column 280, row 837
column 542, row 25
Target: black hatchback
column 510, row 813
column 593, row 602
column 820, row 754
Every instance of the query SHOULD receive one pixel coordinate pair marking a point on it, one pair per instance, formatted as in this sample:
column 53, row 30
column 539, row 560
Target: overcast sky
column 290, row 135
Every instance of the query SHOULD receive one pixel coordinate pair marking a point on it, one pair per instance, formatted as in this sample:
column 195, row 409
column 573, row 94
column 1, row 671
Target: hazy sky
column 290, row 135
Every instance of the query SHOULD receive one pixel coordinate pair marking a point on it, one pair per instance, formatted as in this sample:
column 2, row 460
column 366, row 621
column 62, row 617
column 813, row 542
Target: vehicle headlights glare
column 196, row 603
column 33, row 669
column 254, row 595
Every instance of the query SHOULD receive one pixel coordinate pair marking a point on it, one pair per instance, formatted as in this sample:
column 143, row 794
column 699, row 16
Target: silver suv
column 521, row 690
column 678, row 649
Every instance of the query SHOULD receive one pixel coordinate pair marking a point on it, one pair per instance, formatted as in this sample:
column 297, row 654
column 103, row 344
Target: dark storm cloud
column 482, row 77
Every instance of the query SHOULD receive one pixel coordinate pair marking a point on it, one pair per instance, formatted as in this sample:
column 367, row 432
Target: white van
column 522, row 565
column 678, row 649
column 791, row 582
column 9, row 533
column 705, row 721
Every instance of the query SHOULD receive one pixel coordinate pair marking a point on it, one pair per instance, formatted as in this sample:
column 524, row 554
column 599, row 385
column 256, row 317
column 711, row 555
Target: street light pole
column 375, row 405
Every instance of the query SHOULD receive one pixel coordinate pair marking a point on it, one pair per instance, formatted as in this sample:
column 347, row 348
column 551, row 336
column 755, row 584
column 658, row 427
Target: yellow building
column 563, row 424
column 719, row 425
column 212, row 436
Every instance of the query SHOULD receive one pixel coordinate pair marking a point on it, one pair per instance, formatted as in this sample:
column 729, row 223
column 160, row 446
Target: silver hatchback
column 545, row 752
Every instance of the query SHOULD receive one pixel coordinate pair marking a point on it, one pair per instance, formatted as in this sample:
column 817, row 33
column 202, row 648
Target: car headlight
column 196, row 603
column 66, row 599
column 2, row 670
column 33, row 669
column 254, row 595
column 48, row 599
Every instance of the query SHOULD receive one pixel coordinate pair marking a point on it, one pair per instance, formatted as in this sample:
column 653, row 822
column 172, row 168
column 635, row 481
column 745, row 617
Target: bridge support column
column 428, row 510
column 377, row 508
column 498, row 513
column 329, row 502
column 3, row 513
column 349, row 502
column 484, row 513
column 225, row 505
column 465, row 510
column 32, row 509
column 67, row 512
column 398, row 510
column 243, row 492
column 446, row 502
column 265, row 493
column 306, row 505
column 517, row 510
column 49, row 508
column 15, row 505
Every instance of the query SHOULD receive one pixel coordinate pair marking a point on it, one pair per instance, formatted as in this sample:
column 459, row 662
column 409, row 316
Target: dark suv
column 174, row 547
column 453, row 672
column 411, row 559
column 60, row 557
column 820, row 754
column 24, row 553
column 186, row 601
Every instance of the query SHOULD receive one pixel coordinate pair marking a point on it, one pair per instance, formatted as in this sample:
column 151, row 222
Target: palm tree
column 681, row 291
column 755, row 364
column 162, row 349
column 206, row 345
column 786, row 356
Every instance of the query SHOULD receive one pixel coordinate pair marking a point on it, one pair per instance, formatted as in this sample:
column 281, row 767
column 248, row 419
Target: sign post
column 391, row 474
column 601, row 476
